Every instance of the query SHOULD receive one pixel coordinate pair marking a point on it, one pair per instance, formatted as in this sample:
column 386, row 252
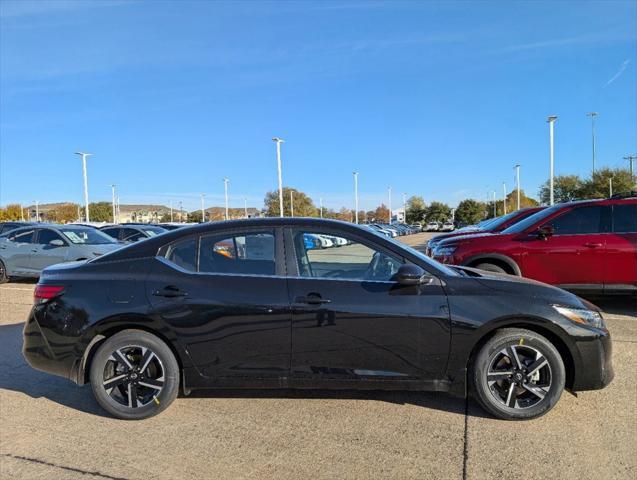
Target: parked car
column 432, row 226
column 129, row 233
column 447, row 227
column 587, row 246
column 8, row 226
column 174, row 312
column 492, row 225
column 26, row 251
column 417, row 226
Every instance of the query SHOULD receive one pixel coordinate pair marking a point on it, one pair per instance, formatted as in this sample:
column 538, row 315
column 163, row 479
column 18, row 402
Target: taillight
column 44, row 293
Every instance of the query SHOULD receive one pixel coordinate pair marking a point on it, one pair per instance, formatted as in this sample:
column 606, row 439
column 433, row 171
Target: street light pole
column 610, row 187
column 321, row 207
column 291, row 203
column 631, row 159
column 225, row 189
column 37, row 211
column 279, row 141
column 593, row 115
column 494, row 205
column 181, row 211
column 203, row 213
column 245, row 207
column 84, row 156
column 504, row 198
column 551, row 121
column 113, row 201
column 404, row 207
column 517, row 181
column 171, row 211
column 355, row 197
column 389, row 190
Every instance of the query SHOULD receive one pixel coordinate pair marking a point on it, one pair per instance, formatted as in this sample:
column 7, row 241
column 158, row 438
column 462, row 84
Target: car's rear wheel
column 490, row 267
column 518, row 375
column 134, row 375
column 4, row 278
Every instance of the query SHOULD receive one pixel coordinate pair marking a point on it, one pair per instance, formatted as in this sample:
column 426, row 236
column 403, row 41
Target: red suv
column 589, row 246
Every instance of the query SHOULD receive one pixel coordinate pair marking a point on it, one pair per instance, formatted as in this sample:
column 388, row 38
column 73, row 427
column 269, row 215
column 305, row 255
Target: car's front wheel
column 134, row 375
column 4, row 278
column 518, row 375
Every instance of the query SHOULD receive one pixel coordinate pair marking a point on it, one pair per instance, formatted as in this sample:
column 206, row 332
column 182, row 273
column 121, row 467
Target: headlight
column 444, row 251
column 581, row 315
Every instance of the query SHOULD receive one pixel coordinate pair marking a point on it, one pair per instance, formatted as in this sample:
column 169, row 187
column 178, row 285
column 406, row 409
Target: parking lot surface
column 50, row 428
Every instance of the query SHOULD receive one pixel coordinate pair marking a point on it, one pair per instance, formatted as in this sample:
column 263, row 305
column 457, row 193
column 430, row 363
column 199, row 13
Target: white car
column 432, row 227
column 338, row 241
column 326, row 242
column 448, row 227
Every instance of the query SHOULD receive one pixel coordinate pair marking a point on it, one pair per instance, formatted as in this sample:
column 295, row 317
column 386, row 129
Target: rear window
column 625, row 218
column 184, row 254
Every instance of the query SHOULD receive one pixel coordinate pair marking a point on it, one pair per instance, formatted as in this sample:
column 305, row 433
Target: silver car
column 26, row 251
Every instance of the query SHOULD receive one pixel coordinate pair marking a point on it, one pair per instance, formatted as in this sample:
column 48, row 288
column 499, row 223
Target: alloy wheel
column 133, row 376
column 519, row 376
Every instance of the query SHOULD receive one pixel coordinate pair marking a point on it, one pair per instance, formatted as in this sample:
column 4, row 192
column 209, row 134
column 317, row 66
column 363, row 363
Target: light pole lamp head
column 551, row 118
column 278, row 140
column 83, row 154
column 592, row 114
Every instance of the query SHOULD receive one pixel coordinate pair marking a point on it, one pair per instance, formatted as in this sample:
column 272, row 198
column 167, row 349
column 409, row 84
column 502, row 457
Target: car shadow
column 16, row 375
column 616, row 304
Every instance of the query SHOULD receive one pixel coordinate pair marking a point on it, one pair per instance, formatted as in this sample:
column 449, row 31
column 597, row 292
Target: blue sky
column 438, row 99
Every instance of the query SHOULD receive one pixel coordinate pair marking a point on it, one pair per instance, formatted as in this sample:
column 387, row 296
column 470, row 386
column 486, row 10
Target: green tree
column 470, row 212
column 416, row 209
column 565, row 188
column 598, row 186
column 438, row 212
column 303, row 205
column 100, row 212
column 194, row 216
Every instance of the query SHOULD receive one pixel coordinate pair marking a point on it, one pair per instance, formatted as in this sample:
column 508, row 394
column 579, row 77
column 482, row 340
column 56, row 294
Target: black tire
column 4, row 278
column 510, row 397
column 124, row 362
column 490, row 267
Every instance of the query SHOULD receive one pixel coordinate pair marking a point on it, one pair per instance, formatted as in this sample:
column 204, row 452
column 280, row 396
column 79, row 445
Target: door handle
column 593, row 245
column 312, row 299
column 170, row 292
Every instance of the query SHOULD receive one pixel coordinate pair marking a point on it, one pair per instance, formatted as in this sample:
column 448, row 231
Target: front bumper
column 596, row 364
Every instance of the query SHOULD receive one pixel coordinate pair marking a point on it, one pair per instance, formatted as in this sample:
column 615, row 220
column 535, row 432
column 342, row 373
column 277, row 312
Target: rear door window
column 580, row 220
column 131, row 235
column 625, row 218
column 22, row 236
column 184, row 254
column 112, row 232
column 246, row 254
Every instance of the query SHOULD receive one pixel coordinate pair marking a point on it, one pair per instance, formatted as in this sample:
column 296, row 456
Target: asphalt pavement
column 50, row 428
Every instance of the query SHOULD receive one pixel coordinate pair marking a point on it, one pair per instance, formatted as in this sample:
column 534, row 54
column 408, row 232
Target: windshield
column 152, row 231
column 529, row 221
column 86, row 236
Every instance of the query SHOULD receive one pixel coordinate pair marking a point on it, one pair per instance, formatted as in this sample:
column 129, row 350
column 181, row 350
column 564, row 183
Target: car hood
column 454, row 240
column 525, row 287
column 457, row 233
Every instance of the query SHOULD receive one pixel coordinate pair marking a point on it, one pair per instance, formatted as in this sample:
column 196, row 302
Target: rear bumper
column 596, row 368
column 47, row 350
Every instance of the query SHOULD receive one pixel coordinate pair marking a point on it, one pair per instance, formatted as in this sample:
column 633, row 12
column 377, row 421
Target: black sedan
column 246, row 304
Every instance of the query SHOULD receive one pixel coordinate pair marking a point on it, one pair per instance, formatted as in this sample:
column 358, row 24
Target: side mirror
column 545, row 231
column 410, row 274
column 56, row 243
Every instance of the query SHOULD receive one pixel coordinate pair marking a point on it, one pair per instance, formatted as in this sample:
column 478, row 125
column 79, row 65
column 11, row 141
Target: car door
column 16, row 251
column 352, row 322
column 43, row 253
column 621, row 248
column 574, row 253
column 225, row 295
